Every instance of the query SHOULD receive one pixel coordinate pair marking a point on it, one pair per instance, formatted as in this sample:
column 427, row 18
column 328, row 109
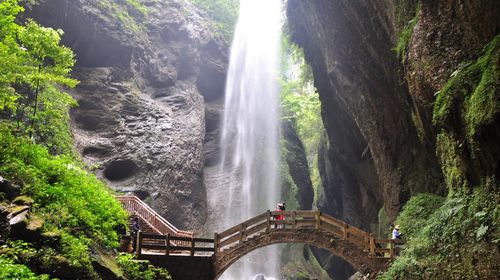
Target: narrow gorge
column 376, row 113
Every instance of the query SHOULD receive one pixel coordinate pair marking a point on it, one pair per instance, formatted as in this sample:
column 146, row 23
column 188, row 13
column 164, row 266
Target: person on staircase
column 135, row 230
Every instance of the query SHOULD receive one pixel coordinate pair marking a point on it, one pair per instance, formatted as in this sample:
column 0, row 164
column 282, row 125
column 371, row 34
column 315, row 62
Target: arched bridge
column 201, row 258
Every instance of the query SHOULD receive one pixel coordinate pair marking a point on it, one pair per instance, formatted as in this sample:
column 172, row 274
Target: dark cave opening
column 120, row 170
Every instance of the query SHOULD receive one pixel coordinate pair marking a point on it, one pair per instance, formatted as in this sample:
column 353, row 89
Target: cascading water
column 249, row 183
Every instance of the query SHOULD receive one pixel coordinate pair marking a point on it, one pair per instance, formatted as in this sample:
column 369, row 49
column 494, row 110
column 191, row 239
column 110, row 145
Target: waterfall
column 248, row 181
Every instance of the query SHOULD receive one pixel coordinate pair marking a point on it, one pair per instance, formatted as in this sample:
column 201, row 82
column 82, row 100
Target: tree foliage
column 300, row 102
column 36, row 153
column 224, row 14
column 33, row 69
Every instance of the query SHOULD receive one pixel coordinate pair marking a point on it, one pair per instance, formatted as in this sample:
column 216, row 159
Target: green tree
column 224, row 14
column 10, row 54
column 34, row 66
column 300, row 102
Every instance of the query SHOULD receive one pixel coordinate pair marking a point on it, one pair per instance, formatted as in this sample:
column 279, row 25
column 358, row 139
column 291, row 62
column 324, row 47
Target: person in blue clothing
column 395, row 233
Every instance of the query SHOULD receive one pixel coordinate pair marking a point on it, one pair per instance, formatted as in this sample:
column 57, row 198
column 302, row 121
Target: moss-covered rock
column 10, row 190
column 51, row 238
column 34, row 227
column 23, row 200
column 467, row 111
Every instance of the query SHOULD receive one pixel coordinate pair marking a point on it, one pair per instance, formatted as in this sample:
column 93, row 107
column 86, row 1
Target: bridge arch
column 182, row 256
column 354, row 255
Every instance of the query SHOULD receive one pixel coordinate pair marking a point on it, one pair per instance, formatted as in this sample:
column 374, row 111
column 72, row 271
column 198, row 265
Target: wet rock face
column 447, row 36
column 371, row 157
column 364, row 110
column 298, row 166
column 381, row 141
column 141, row 117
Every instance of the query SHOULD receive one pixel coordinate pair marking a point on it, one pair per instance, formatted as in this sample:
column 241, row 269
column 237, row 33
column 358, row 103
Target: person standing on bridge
column 280, row 207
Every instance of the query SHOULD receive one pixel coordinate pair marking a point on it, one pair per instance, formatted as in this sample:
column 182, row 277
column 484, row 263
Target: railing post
column 345, row 227
column 294, row 221
column 138, row 245
column 372, row 246
column 242, row 232
column 216, row 242
column 391, row 248
column 317, row 218
column 366, row 240
column 167, row 249
column 192, row 246
column 268, row 222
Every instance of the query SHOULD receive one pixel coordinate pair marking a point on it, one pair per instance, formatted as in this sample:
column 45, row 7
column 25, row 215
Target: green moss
column 23, row 200
column 405, row 34
column 471, row 94
column 449, row 152
column 122, row 13
column 383, row 225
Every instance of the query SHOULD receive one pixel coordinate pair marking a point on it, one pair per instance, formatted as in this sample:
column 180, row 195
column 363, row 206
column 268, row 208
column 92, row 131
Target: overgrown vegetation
column 32, row 67
column 75, row 209
column 224, row 14
column 454, row 239
column 300, row 103
column 458, row 237
column 128, row 12
column 141, row 270
column 473, row 87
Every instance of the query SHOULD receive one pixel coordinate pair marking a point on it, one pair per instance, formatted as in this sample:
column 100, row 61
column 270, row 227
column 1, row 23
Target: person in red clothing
column 280, row 207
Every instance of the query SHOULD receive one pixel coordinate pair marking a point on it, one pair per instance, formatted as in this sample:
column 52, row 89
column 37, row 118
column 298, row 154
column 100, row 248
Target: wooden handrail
column 264, row 223
column 304, row 220
column 133, row 205
column 173, row 244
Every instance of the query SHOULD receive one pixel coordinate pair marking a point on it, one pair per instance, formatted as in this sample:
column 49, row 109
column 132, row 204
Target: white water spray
column 250, row 132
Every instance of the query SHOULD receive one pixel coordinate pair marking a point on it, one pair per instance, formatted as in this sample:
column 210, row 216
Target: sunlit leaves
column 33, row 66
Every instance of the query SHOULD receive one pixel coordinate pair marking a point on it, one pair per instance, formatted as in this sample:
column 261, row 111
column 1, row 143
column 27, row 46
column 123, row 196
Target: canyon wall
column 377, row 104
column 144, row 79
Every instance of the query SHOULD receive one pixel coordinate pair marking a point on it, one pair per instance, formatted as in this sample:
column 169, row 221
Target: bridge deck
column 264, row 224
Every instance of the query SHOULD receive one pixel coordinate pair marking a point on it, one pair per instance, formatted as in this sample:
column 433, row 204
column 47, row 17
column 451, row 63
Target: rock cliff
column 145, row 75
column 378, row 108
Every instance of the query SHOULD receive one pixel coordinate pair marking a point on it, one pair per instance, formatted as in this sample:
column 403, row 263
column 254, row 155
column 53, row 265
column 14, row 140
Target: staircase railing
column 133, row 205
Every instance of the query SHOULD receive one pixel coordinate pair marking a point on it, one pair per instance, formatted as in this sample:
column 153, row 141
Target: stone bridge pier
column 184, row 267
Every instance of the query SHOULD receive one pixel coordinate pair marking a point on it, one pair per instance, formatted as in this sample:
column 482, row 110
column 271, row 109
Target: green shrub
column 65, row 195
column 224, row 14
column 416, row 213
column 11, row 270
column 459, row 240
column 141, row 270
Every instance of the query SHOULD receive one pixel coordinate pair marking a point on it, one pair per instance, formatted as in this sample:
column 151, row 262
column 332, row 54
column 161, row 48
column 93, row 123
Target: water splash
column 250, row 131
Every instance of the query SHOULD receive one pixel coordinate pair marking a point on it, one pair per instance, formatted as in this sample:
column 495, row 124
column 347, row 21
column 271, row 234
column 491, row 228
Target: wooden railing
column 134, row 206
column 266, row 222
column 170, row 244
